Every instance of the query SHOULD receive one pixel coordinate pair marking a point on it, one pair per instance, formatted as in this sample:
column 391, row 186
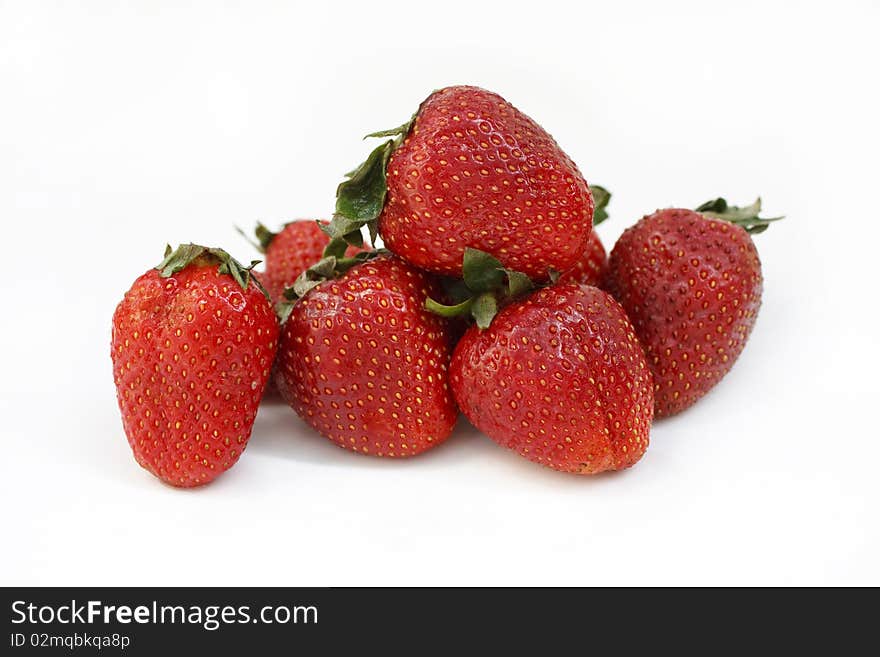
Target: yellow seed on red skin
column 677, row 327
column 377, row 356
column 161, row 309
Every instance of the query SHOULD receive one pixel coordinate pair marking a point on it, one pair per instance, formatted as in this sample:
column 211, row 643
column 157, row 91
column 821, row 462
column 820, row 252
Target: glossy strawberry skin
column 476, row 172
column 590, row 268
column 366, row 365
column 191, row 356
column 692, row 288
column 295, row 248
column 559, row 378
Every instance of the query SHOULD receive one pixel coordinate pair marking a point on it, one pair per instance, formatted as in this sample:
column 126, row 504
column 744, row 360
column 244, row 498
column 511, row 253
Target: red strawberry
column 193, row 342
column 691, row 284
column 365, row 364
column 470, row 170
column 560, row 378
column 289, row 252
column 591, row 266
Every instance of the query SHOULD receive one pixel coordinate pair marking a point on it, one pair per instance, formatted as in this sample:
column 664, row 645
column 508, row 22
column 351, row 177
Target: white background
column 124, row 128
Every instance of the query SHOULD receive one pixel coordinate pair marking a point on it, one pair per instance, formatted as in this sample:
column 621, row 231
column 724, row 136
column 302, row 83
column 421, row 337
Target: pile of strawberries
column 492, row 296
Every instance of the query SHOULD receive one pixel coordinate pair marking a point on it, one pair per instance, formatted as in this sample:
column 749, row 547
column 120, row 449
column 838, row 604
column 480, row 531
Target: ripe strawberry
column 193, row 341
column 289, row 252
column 691, row 283
column 590, row 269
column 559, row 377
column 470, row 170
column 365, row 364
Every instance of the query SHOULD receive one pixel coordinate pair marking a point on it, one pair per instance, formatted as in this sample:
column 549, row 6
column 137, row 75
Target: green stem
column 485, row 284
column 447, row 311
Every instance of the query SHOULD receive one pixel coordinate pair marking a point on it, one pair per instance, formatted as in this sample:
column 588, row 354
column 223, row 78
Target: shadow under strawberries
column 280, row 433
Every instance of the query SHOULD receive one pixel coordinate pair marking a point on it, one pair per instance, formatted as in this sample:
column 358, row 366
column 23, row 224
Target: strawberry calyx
column 263, row 237
column 399, row 133
column 187, row 255
column 359, row 202
column 330, row 266
column 746, row 217
column 601, row 198
column 360, row 198
column 485, row 285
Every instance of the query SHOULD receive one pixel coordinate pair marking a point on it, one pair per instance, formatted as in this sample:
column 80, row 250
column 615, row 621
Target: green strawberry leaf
column 518, row 283
column 344, row 264
column 359, row 201
column 485, row 285
column 481, row 271
column 326, row 268
column 343, row 232
column 263, row 236
column 747, row 216
column 176, row 260
column 360, row 198
column 282, row 310
column 484, row 309
column 455, row 289
column 400, row 131
column 601, row 197
column 340, row 227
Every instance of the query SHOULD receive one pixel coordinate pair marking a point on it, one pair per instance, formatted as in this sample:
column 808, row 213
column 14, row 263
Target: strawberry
column 470, row 171
column 192, row 345
column 560, row 378
column 590, row 267
column 363, row 362
column 486, row 284
column 289, row 252
column 691, row 283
